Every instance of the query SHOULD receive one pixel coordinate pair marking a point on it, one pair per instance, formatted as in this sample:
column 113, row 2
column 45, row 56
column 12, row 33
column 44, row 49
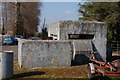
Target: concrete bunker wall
column 38, row 53
column 55, row 32
column 98, row 29
column 82, row 50
column 60, row 52
column 80, row 27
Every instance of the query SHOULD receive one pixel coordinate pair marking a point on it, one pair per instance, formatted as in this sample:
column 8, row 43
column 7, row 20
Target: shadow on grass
column 80, row 59
column 28, row 74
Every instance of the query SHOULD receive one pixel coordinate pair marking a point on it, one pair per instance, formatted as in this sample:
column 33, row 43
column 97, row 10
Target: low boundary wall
column 38, row 53
column 53, row 53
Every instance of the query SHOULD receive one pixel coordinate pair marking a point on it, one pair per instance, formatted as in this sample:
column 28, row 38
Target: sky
column 57, row 11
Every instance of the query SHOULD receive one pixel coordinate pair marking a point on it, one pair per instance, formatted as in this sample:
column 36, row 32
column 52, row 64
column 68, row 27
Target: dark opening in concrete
column 80, row 59
column 80, row 36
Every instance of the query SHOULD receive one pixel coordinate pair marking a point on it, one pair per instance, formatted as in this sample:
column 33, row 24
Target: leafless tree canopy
column 22, row 18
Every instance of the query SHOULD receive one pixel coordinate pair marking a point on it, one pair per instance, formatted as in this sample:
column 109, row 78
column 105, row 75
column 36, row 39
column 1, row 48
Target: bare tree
column 22, row 17
column 8, row 13
column 30, row 15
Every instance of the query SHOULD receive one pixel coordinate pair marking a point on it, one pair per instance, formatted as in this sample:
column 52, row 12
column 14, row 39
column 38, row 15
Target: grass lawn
column 56, row 73
column 115, row 53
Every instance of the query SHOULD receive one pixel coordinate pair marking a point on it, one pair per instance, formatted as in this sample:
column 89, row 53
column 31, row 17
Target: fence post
column 6, row 64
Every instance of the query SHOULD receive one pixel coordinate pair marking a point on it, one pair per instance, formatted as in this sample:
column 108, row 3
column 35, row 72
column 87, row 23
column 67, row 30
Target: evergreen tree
column 108, row 12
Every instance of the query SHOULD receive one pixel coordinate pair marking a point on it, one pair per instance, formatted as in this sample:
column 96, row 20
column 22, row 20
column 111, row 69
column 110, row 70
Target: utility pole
column 44, row 30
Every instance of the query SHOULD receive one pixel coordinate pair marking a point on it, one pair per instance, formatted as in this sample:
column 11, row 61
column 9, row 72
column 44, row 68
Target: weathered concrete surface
column 6, row 64
column 63, row 28
column 38, row 53
column 99, row 42
column 98, row 29
column 13, row 48
column 55, row 32
column 82, row 49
